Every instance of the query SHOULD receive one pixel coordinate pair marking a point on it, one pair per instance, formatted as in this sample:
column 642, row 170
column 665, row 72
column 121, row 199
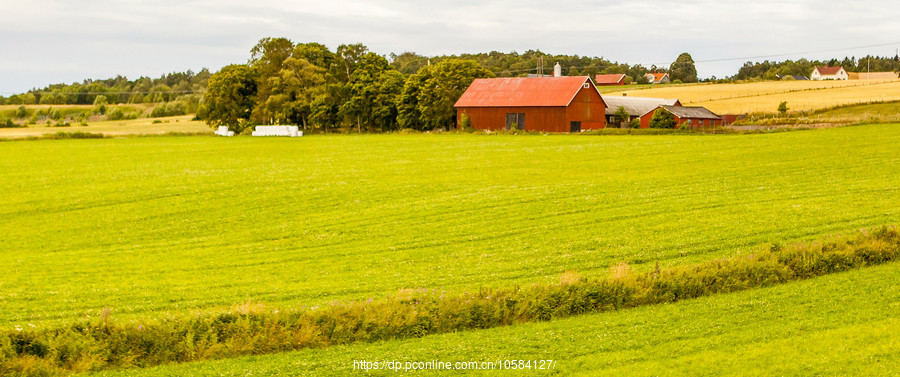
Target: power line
column 797, row 53
column 730, row 59
column 105, row 93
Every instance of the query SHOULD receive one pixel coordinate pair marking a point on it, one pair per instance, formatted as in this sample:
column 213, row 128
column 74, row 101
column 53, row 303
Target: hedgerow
column 252, row 328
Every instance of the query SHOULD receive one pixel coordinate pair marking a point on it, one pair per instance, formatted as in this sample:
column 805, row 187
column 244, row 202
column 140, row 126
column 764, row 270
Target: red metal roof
column 522, row 91
column 610, row 79
column 828, row 70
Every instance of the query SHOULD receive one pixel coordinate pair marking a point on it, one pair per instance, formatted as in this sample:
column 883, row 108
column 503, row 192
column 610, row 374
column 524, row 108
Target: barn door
column 515, row 118
column 574, row 126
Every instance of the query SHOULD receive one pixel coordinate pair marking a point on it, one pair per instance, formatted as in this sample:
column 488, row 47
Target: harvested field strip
column 708, row 92
column 251, row 328
column 765, row 96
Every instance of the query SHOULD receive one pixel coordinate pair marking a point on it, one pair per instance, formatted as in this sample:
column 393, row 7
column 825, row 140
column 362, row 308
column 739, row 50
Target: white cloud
column 48, row 41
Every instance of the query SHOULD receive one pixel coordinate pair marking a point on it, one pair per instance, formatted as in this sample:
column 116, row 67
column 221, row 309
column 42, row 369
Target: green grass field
column 152, row 227
column 842, row 324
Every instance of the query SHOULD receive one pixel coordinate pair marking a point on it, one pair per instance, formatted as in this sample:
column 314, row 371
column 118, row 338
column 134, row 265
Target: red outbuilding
column 549, row 104
column 694, row 116
column 608, row 80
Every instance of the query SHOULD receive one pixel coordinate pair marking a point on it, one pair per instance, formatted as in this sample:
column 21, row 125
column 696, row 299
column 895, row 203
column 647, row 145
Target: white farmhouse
column 829, row 73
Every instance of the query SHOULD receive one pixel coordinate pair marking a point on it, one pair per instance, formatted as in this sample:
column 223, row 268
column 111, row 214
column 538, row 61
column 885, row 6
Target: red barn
column 607, row 80
column 549, row 104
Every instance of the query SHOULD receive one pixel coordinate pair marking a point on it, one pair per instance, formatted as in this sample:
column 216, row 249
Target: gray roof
column 692, row 112
column 636, row 106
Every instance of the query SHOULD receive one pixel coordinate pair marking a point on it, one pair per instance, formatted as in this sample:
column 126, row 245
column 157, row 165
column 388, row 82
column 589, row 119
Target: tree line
column 516, row 64
column 309, row 85
column 168, row 87
column 767, row 70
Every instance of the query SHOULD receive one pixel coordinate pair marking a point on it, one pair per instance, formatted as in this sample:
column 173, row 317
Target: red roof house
column 608, row 80
column 549, row 104
column 657, row 78
column 829, row 73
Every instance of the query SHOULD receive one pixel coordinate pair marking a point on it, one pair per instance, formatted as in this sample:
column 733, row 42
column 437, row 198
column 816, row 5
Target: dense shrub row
column 74, row 135
column 254, row 329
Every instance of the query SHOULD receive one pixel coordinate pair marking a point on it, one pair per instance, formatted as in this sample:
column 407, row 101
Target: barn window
column 586, row 85
column 517, row 119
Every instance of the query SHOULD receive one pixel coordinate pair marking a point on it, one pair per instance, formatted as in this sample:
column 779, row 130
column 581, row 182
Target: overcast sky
column 54, row 41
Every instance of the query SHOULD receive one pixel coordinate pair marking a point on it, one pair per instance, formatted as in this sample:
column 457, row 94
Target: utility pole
column 540, row 66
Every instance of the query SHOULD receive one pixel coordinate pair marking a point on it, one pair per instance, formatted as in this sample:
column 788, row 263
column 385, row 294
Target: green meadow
column 166, row 226
column 836, row 325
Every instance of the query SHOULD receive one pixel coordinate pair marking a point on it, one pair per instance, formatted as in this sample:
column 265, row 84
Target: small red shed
column 549, row 104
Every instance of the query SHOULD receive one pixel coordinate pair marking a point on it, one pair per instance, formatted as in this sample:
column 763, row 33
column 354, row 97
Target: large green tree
column 408, row 63
column 683, row 69
column 429, row 95
column 231, row 97
column 389, row 87
column 371, row 89
column 315, row 53
column 408, row 113
column 293, row 90
column 267, row 58
column 346, row 58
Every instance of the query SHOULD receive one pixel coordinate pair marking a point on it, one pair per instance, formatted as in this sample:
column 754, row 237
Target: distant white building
column 829, row 73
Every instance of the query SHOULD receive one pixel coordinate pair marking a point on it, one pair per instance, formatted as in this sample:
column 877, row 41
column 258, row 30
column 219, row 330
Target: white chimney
column 557, row 70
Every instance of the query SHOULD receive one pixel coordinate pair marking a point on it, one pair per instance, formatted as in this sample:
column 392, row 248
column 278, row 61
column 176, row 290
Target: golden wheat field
column 140, row 126
column 765, row 96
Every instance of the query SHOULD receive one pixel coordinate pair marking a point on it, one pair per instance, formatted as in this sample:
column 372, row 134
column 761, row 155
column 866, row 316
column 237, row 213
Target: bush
column 620, row 117
column 662, row 119
column 783, row 108
column 464, row 121
column 8, row 123
column 635, row 123
column 100, row 105
column 115, row 114
column 75, row 135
